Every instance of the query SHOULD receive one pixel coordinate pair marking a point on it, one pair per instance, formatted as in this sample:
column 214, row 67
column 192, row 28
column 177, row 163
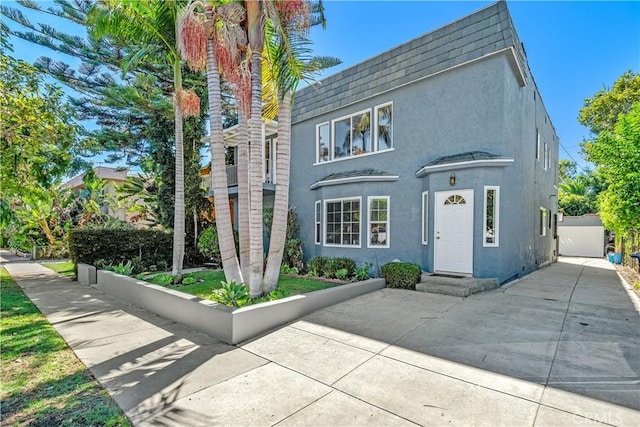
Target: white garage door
column 581, row 241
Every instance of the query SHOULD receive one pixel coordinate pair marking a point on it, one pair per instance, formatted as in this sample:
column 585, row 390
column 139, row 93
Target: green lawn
column 208, row 281
column 42, row 382
column 65, row 268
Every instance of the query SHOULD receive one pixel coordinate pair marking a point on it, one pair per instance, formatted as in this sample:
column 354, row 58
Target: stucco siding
column 480, row 105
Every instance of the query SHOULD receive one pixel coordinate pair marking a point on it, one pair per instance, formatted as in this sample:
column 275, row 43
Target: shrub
column 285, row 269
column 105, row 246
column 362, row 273
column 188, row 280
column 342, row 274
column 122, row 268
column 162, row 279
column 347, row 264
column 208, row 244
column 330, row 268
column 403, row 275
column 292, row 253
column 317, row 265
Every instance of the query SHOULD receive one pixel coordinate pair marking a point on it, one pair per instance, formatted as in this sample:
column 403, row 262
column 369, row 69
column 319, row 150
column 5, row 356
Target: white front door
column 453, row 240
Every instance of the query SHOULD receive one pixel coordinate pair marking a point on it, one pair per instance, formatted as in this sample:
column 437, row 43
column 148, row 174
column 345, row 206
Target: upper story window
column 546, row 157
column 355, row 134
column 352, row 135
column 323, row 143
column 384, row 127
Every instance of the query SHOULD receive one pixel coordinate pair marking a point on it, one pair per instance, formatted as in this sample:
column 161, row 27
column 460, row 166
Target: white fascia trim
column 464, row 165
column 353, row 179
column 522, row 76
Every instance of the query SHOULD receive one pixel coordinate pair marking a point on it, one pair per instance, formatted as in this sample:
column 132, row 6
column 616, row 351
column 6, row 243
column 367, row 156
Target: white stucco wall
column 581, row 241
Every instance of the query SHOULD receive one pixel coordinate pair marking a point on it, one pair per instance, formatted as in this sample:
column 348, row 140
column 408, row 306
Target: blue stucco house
column 439, row 152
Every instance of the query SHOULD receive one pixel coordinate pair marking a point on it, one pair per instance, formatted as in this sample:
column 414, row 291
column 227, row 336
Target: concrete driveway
column 560, row 347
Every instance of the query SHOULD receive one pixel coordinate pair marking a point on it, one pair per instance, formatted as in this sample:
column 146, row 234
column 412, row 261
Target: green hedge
column 103, row 246
column 403, row 275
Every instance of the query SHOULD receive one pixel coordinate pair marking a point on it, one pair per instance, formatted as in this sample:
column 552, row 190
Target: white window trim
column 543, row 222
column 332, row 151
column 369, row 200
column 318, row 126
column 317, row 221
column 537, row 144
column 546, row 156
column 324, row 227
column 374, row 153
column 496, row 217
column 374, row 145
column 425, row 218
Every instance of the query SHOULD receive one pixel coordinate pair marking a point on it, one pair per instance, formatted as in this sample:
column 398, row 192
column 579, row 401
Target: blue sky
column 574, row 48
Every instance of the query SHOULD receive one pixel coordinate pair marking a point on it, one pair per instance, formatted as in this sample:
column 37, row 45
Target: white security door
column 453, row 240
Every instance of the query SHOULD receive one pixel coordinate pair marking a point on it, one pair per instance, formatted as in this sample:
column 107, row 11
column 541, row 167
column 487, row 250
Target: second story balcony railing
column 232, row 177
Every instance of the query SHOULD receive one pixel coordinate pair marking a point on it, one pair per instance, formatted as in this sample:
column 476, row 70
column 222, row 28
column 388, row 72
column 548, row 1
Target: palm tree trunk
column 243, row 192
column 256, row 253
column 218, row 170
column 178, row 218
column 281, row 200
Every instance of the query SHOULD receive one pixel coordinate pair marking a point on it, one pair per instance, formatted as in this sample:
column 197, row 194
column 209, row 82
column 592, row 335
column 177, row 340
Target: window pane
column 342, row 138
column 323, row 142
column 385, row 131
column 378, row 225
column 361, row 133
column 490, row 224
column 425, row 218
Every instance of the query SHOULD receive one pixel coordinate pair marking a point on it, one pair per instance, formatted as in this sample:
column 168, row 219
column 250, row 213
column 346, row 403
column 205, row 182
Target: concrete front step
column 458, row 287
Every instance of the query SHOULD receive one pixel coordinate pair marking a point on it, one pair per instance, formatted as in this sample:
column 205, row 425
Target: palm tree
column 202, row 39
column 148, row 30
column 289, row 62
column 256, row 21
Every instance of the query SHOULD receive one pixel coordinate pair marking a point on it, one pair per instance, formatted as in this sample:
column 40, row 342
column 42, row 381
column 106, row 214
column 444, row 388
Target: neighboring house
column 269, row 132
column 113, row 177
column 581, row 236
column 439, row 152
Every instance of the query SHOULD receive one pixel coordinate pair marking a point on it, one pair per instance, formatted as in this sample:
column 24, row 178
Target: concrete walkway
column 559, row 347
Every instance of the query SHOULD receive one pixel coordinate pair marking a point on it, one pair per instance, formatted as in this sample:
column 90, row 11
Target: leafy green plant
column 342, row 274
column 231, row 294
column 139, row 276
column 293, row 251
column 317, row 264
column 188, row 280
column 122, row 268
column 332, row 265
column 278, row 293
column 404, row 275
column 346, row 263
column 313, row 273
column 162, row 279
column 285, row 269
column 208, row 244
column 362, row 273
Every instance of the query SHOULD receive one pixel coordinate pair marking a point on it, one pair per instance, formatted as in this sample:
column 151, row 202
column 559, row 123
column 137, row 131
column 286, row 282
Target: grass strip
column 42, row 382
column 208, row 281
column 66, row 268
